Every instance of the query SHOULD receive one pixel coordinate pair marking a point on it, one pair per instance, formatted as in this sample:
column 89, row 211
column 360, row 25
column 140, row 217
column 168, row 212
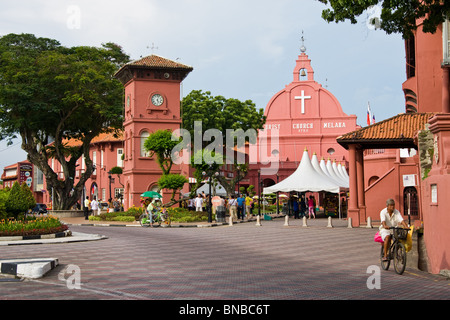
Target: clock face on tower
column 157, row 100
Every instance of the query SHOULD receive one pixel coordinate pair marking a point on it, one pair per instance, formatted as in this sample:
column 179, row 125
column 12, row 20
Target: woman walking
column 311, row 207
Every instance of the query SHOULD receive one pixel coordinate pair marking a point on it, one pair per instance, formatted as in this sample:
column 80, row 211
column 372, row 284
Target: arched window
column 410, row 201
column 144, row 136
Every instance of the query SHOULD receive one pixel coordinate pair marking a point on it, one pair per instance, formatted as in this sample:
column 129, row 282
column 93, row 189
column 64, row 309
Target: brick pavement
column 271, row 262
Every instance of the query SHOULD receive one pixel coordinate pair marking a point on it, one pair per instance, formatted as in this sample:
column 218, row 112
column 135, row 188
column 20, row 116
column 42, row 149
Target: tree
column 396, row 16
column 27, row 195
column 4, row 193
column 19, row 201
column 221, row 114
column 160, row 143
column 53, row 94
column 172, row 182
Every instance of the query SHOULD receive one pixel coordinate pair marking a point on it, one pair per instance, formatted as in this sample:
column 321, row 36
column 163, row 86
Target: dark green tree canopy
column 220, row 113
column 52, row 93
column 160, row 143
column 396, row 16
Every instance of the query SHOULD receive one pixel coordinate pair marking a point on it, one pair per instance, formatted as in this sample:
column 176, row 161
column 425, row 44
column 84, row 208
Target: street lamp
column 111, row 179
column 238, row 177
column 210, row 173
column 259, row 190
column 278, row 197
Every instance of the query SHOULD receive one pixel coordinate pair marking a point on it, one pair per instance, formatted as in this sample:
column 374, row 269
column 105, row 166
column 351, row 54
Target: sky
column 243, row 49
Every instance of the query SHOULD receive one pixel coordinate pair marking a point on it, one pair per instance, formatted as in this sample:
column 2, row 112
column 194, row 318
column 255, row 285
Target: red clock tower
column 152, row 102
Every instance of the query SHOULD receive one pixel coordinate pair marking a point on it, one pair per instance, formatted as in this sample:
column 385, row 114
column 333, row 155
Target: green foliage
column 160, row 143
column 48, row 90
column 17, row 201
column 135, row 211
column 36, row 226
column 251, row 190
column 396, row 16
column 27, row 195
column 113, row 217
column 4, row 193
column 220, row 113
column 172, row 182
column 14, row 203
column 116, row 170
column 184, row 215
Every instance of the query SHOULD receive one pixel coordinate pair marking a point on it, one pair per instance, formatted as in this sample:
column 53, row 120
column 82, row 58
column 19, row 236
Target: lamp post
column 259, row 191
column 238, row 177
column 278, row 198
column 209, row 173
column 110, row 180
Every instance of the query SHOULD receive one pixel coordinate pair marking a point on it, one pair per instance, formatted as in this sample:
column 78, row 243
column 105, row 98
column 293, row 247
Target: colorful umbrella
column 151, row 194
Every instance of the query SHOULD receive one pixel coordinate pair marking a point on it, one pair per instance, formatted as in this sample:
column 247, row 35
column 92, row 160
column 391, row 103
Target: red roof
column 155, row 61
column 396, row 131
column 101, row 138
column 152, row 62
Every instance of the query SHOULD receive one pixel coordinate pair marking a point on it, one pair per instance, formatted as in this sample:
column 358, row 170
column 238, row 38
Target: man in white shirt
column 232, row 207
column 198, row 203
column 390, row 217
column 94, row 206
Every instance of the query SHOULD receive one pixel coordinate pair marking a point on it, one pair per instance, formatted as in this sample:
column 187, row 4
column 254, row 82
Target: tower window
column 144, row 136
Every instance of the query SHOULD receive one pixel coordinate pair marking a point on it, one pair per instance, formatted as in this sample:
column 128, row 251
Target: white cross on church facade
column 303, row 97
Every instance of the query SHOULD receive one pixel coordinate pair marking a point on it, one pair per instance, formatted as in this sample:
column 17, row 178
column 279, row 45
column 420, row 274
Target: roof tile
column 398, row 128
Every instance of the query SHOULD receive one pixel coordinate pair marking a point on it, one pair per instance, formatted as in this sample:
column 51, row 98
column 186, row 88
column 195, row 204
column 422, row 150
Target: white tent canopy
column 219, row 189
column 305, row 179
column 324, row 172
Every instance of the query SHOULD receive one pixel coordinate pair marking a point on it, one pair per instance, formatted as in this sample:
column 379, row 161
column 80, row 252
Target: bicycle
column 157, row 217
column 396, row 251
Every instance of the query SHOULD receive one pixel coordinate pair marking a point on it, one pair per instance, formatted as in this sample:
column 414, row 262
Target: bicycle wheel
column 156, row 220
column 384, row 264
column 144, row 220
column 166, row 218
column 399, row 258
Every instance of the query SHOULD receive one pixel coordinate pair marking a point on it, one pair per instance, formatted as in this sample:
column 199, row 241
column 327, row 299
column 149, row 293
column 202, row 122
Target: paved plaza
column 239, row 262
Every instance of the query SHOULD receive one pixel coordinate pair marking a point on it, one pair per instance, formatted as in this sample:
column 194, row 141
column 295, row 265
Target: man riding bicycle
column 152, row 207
column 390, row 217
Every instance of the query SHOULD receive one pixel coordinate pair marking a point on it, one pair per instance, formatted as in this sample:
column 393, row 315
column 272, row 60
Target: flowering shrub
column 184, row 215
column 37, row 226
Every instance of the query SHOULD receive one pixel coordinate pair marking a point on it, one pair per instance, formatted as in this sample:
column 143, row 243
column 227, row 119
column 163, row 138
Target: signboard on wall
column 26, row 174
column 409, row 180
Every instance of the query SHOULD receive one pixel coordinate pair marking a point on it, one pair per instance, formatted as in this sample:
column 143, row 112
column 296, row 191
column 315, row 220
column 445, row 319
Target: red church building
column 302, row 115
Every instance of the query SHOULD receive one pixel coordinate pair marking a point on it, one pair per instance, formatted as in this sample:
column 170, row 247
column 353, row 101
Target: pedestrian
column 240, row 207
column 205, row 203
column 198, row 202
column 302, row 206
column 116, row 205
column 95, row 206
column 215, row 201
column 248, row 206
column 86, row 208
column 295, row 208
column 191, row 205
column 311, row 207
column 232, row 207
